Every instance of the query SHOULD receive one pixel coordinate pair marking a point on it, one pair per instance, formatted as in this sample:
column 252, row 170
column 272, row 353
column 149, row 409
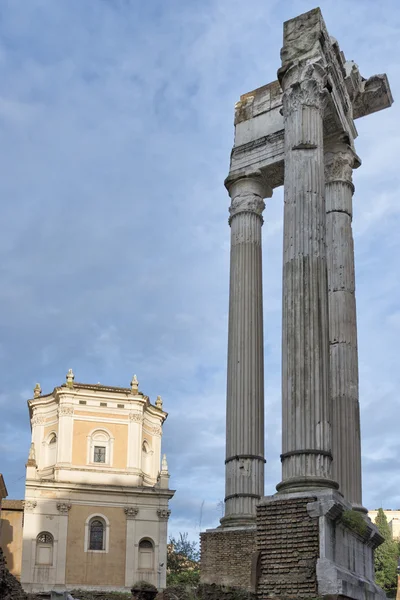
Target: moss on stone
column 354, row 520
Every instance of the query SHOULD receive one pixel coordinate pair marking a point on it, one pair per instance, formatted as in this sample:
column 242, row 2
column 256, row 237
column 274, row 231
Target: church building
column 97, row 492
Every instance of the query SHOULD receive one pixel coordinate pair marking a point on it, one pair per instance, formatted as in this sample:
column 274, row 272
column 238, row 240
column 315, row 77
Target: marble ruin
column 298, row 132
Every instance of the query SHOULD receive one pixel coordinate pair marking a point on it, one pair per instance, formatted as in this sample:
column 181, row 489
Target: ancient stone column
column 244, row 482
column 340, row 160
column 306, row 415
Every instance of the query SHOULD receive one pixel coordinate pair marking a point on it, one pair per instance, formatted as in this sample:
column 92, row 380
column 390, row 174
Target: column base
column 313, row 544
column 303, row 484
column 227, row 556
column 238, row 521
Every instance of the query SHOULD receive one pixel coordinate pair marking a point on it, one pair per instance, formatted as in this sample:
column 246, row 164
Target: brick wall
column 288, row 545
column 226, row 557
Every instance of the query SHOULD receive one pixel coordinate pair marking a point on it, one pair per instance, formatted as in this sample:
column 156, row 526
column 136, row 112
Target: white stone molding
column 106, row 533
column 38, row 420
column 135, row 416
column 131, row 512
column 65, row 411
column 63, row 507
column 152, row 429
column 30, row 505
column 100, row 436
column 163, row 513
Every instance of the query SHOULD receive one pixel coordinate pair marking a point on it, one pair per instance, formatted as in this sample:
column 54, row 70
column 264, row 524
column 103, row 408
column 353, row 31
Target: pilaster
column 135, row 439
column 65, row 433
column 63, row 510
column 244, row 471
column 131, row 513
column 306, row 412
column 340, row 160
column 163, row 516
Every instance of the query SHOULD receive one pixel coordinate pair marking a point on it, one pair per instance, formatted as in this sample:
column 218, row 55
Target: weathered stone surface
column 340, row 159
column 226, row 556
column 306, row 409
column 245, row 390
column 307, row 548
column 288, row 542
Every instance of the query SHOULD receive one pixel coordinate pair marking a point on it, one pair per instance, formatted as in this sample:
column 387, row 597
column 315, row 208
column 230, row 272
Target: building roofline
column 3, row 488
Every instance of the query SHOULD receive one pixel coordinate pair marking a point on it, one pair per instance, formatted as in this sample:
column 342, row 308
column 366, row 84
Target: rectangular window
column 82, row 401
column 103, row 403
column 120, row 406
column 99, row 454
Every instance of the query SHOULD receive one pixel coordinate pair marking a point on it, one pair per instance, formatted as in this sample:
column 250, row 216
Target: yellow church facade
column 97, row 493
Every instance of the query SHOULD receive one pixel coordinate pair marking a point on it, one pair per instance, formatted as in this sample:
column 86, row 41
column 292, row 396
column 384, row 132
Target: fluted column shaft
column 340, row 160
column 306, row 416
column 244, row 471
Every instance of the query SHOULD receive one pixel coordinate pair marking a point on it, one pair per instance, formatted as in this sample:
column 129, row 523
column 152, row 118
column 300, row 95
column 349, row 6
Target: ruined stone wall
column 226, row 557
column 288, row 545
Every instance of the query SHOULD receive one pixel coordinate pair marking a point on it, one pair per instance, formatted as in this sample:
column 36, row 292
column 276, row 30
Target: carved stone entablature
column 29, row 505
column 340, row 160
column 65, row 411
column 163, row 513
column 131, row 512
column 38, row 420
column 63, row 507
column 136, row 417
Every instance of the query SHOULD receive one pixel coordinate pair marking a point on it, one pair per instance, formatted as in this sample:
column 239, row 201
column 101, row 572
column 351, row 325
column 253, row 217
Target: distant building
column 3, row 490
column 393, row 517
column 12, row 516
column 96, row 495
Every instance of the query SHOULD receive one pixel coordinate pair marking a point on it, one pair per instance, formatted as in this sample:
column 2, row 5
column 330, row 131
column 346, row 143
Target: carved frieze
column 65, row 410
column 38, row 420
column 63, row 507
column 136, row 417
column 131, row 512
column 153, row 429
column 29, row 505
column 163, row 513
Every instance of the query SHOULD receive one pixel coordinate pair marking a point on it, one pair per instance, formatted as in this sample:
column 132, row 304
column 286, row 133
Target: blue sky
column 116, row 125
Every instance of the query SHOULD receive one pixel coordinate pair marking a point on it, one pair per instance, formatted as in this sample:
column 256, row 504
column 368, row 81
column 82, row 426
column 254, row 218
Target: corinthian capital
column 340, row 160
column 247, row 195
column 303, row 85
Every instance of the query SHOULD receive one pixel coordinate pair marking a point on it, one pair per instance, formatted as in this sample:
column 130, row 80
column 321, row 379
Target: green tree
column 386, row 555
column 183, row 561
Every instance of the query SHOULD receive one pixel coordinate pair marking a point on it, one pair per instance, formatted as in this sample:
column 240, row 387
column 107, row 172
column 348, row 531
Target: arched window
column 51, row 450
column 44, row 548
column 146, row 457
column 100, row 448
column 97, row 529
column 146, row 555
column 96, row 534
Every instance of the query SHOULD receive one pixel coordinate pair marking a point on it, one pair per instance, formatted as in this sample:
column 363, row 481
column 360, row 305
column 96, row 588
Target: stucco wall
column 93, row 568
column 119, row 432
column 11, row 538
